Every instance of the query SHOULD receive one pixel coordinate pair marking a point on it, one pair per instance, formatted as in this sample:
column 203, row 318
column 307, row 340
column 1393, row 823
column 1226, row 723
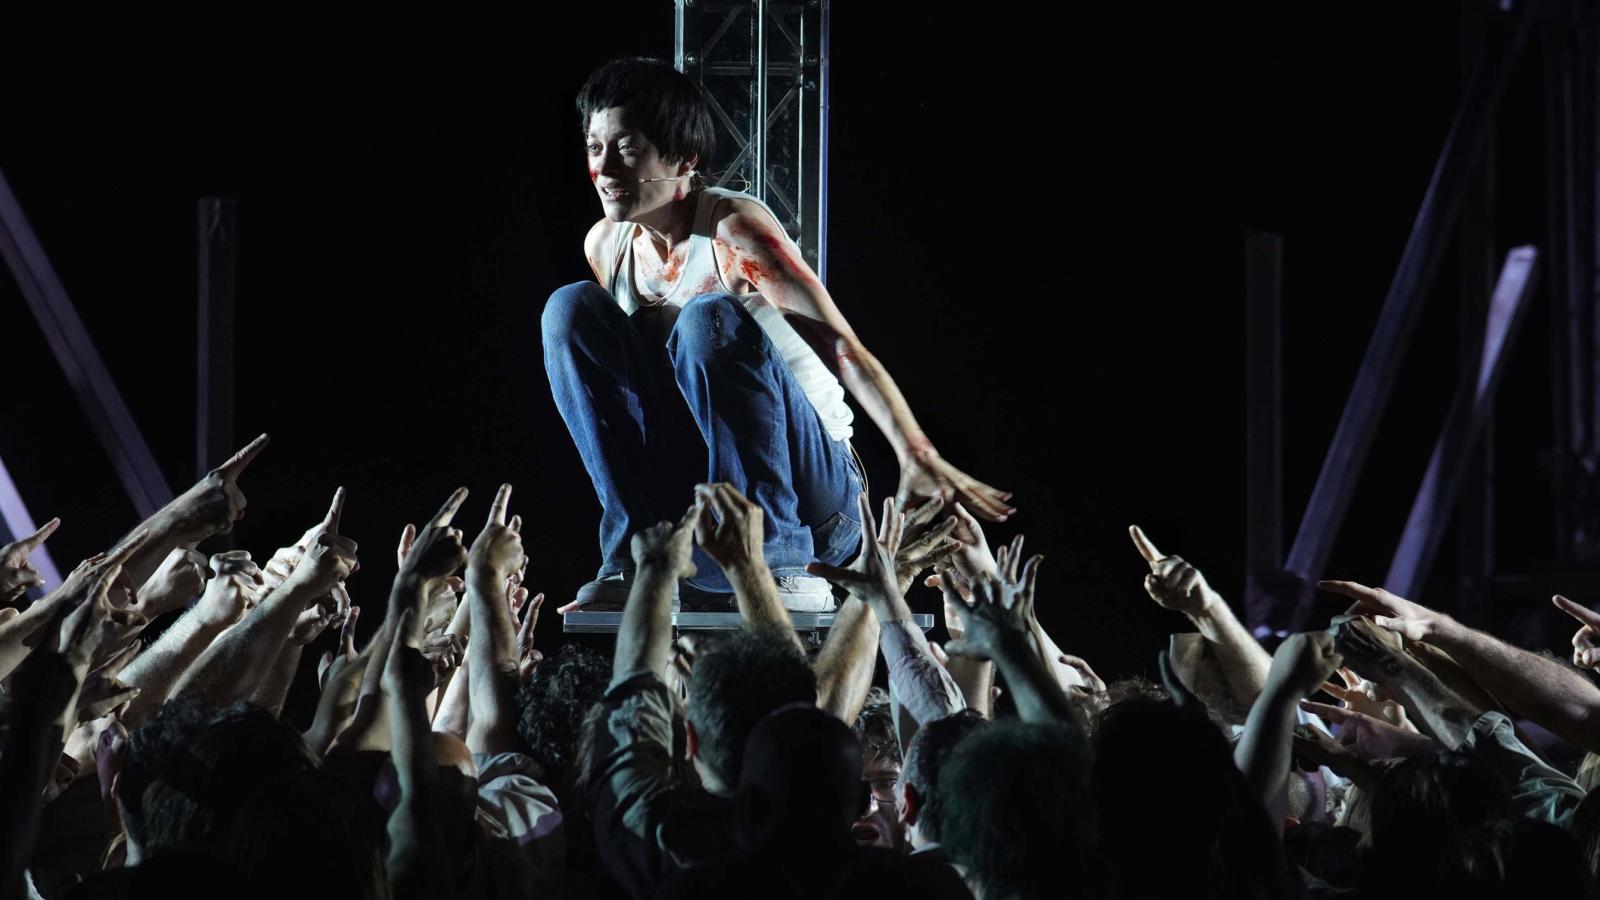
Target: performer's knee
column 708, row 323
column 567, row 306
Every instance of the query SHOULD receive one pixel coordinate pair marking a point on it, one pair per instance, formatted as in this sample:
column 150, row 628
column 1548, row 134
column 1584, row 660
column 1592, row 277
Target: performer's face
column 620, row 161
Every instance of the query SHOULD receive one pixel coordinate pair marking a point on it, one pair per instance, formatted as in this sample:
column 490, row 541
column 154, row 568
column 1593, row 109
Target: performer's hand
column 926, row 474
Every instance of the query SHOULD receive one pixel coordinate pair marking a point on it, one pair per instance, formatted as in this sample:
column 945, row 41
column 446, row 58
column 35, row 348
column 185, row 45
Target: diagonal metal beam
column 1452, row 454
column 1347, row 453
column 74, row 351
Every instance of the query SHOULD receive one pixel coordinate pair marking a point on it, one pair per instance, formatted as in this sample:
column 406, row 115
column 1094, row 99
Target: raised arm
column 661, row 557
column 208, row 508
column 233, row 666
column 418, row 863
column 752, row 249
column 917, row 682
column 1436, row 710
column 1176, row 585
column 1265, row 749
column 996, row 627
column 729, row 528
column 494, row 561
column 1539, row 688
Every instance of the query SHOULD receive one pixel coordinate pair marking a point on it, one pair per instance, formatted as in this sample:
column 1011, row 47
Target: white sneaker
column 805, row 593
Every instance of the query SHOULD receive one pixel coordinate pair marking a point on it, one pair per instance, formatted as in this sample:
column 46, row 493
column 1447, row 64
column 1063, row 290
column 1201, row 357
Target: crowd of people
column 146, row 751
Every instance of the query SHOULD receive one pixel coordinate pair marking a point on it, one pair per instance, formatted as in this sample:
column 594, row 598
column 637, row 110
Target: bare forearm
column 492, row 662
column 871, row 385
column 417, row 863
column 157, row 670
column 1243, row 660
column 756, row 592
column 1265, row 748
column 229, row 670
column 975, row 678
column 274, row 688
column 845, row 663
column 1543, row 690
column 168, row 530
column 1033, row 687
column 644, row 640
column 453, row 714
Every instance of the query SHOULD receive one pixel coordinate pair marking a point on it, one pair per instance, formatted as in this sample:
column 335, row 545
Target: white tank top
column 700, row 275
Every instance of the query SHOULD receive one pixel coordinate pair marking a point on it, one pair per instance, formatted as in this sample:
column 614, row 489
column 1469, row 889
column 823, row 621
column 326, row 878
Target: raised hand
column 102, row 692
column 231, row 592
column 1303, row 663
column 17, row 575
column 1359, row 641
column 1586, row 640
column 668, row 546
column 215, row 502
column 873, row 576
column 924, row 545
column 1173, row 583
column 437, row 552
column 728, row 527
column 528, row 656
column 179, row 579
column 283, row 562
column 925, row 473
column 1362, row 696
column 1369, row 738
column 996, row 621
column 1412, row 621
column 498, row 549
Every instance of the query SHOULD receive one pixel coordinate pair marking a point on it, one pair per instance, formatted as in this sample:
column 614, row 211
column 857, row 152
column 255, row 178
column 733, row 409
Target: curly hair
column 552, row 705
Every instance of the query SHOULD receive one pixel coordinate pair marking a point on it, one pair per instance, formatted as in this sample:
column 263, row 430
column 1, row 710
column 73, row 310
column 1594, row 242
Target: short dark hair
column 662, row 103
column 874, row 728
column 925, row 759
column 1017, row 809
column 193, row 802
column 153, row 746
column 737, row 680
column 1427, row 802
column 552, row 705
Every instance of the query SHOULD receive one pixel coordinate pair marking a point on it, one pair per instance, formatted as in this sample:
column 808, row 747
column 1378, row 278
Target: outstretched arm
column 753, row 249
column 1545, row 691
column 1265, row 749
column 1179, row 586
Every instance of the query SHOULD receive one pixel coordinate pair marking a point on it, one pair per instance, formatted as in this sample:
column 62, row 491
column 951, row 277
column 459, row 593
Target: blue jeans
column 713, row 403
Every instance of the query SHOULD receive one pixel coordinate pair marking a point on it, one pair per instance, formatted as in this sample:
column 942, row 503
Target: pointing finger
column 335, row 510
column 1146, row 548
column 497, row 509
column 236, row 464
column 451, row 507
column 32, row 541
column 1581, row 613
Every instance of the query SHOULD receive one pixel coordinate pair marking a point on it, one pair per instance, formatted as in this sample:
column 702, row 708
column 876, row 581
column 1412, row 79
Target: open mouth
column 612, row 195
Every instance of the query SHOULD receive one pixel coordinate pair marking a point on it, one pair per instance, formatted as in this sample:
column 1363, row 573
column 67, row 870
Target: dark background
column 1037, row 223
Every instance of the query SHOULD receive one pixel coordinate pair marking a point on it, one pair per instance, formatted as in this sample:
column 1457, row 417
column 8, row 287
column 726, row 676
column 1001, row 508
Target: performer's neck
column 669, row 225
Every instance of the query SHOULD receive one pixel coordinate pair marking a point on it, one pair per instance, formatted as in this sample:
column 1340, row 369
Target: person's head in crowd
column 150, row 748
column 1330, row 852
column 919, row 801
column 799, row 786
column 737, row 680
column 553, row 704
column 879, row 825
column 1017, row 811
column 1424, row 805
column 1155, row 761
column 1585, row 827
column 455, row 793
column 1514, row 857
column 192, row 803
column 285, row 816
